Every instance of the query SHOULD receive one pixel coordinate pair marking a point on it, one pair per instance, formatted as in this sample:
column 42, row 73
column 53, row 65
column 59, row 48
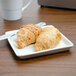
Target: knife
column 6, row 36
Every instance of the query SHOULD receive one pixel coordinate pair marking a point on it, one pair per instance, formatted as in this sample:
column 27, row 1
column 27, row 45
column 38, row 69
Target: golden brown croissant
column 27, row 35
column 48, row 38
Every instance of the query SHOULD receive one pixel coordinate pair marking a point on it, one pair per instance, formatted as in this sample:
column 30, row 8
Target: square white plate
column 28, row 52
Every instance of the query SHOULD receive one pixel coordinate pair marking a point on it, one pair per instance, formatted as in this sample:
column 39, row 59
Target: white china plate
column 28, row 52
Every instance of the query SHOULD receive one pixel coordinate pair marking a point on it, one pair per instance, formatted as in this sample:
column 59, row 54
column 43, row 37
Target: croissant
column 27, row 35
column 48, row 38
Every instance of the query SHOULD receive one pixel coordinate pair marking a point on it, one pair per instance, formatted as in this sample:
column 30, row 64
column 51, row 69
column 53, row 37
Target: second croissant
column 48, row 38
